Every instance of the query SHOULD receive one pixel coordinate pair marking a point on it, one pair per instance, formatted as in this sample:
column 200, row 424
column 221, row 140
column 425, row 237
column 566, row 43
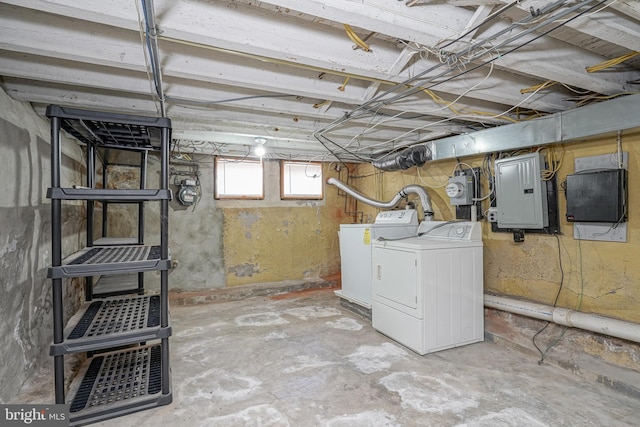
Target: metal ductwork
column 412, row 156
column 425, row 200
column 602, row 118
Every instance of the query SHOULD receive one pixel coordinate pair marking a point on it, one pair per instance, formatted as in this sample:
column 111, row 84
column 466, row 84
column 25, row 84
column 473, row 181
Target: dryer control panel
column 451, row 230
column 406, row 216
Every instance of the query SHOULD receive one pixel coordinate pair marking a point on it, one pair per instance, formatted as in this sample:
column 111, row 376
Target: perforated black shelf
column 111, row 130
column 108, row 195
column 113, row 322
column 119, row 383
column 99, row 260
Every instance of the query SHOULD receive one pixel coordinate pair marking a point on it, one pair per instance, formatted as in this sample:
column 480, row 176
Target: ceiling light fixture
column 259, row 150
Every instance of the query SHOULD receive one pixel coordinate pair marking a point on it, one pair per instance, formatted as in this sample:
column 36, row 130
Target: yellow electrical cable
column 344, row 85
column 593, row 97
column 439, row 100
column 611, row 62
column 554, row 161
column 355, row 38
column 540, row 86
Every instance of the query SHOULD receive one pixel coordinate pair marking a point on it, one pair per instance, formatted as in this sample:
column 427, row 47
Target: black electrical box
column 599, row 196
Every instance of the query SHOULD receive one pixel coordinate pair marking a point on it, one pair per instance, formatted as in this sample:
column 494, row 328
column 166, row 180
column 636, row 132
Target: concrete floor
column 304, row 360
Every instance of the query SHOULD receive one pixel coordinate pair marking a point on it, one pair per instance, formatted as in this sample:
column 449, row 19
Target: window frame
column 216, row 194
column 284, row 196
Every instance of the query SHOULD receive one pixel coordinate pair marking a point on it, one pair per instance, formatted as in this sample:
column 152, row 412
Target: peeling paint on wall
column 289, row 240
column 245, row 269
column 248, row 219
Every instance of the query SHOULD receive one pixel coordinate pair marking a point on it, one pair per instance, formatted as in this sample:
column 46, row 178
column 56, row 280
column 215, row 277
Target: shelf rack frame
column 123, row 132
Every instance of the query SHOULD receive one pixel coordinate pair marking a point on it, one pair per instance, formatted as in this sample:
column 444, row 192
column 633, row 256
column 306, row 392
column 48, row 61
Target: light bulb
column 259, row 150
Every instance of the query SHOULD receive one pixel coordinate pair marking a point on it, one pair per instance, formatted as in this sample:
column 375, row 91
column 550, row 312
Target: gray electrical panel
column 521, row 195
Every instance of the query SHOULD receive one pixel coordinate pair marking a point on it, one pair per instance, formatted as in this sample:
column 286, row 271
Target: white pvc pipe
column 565, row 317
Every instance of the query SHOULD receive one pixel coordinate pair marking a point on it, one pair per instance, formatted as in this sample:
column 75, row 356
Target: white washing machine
column 355, row 251
column 428, row 290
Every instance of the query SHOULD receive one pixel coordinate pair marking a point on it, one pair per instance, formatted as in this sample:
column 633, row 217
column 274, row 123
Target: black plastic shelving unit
column 126, row 337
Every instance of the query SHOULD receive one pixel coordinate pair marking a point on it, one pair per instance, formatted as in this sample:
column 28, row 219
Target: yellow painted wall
column 275, row 241
column 606, row 273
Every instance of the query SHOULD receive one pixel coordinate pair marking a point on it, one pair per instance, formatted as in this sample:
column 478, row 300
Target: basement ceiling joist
column 287, row 70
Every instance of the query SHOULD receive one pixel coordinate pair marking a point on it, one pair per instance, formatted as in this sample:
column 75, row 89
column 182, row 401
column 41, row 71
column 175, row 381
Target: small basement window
column 238, row 179
column 301, row 180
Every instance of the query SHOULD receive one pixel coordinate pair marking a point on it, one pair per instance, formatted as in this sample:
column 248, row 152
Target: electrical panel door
column 521, row 195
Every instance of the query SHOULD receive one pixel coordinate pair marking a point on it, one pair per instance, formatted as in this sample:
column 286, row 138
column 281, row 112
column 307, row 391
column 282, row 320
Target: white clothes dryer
column 428, row 290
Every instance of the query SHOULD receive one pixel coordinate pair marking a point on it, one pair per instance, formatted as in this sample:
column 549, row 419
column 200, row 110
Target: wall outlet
column 492, row 214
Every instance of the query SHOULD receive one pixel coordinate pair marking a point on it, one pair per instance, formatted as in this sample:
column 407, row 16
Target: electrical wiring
column 619, row 150
column 506, row 30
column 529, row 30
column 323, row 143
column 595, row 97
column 596, row 11
column 320, row 104
column 489, row 18
column 611, row 62
column 458, row 117
column 580, row 297
column 550, row 83
column 355, row 38
column 542, row 85
column 449, row 105
column 367, row 130
column 443, row 184
column 144, row 51
column 342, row 87
column 555, row 302
column 152, row 33
column 553, row 160
column 379, row 99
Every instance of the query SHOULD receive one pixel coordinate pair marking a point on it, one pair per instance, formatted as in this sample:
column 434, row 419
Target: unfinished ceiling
column 344, row 79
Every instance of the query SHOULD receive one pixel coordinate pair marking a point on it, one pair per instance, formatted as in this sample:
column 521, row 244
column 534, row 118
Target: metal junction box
column 597, row 196
column 521, row 195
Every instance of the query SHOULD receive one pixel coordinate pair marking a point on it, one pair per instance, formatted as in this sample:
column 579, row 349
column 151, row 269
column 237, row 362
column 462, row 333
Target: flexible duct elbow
column 425, row 200
column 409, row 189
column 412, row 156
column 359, row 196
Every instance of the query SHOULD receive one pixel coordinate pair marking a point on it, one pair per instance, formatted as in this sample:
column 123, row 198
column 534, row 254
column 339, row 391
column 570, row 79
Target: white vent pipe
column 565, row 317
column 425, row 200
